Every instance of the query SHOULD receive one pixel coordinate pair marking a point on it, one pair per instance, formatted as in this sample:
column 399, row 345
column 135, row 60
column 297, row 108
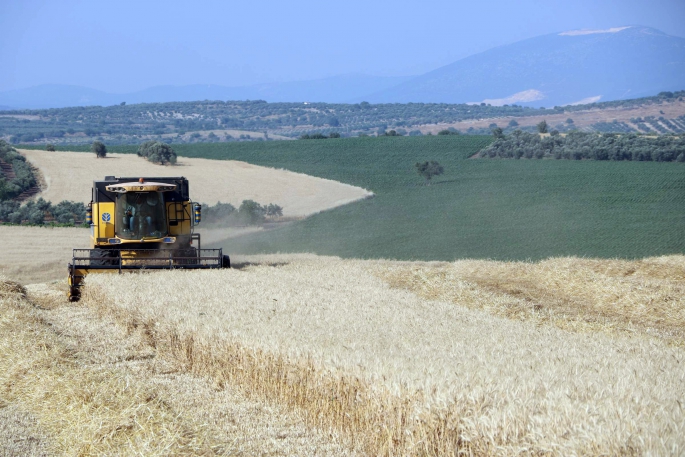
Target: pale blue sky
column 121, row 46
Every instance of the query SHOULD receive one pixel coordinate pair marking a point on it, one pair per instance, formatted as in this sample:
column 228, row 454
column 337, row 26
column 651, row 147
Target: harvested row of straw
column 645, row 296
column 80, row 408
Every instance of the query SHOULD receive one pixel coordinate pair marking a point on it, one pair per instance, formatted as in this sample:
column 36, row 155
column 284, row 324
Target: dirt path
column 70, row 175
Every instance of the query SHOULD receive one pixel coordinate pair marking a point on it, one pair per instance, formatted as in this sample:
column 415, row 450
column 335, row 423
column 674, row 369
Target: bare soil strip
column 70, row 175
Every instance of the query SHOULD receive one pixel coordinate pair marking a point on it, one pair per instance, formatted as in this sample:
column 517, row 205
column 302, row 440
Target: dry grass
column 646, row 296
column 401, row 375
column 19, row 433
column 70, row 175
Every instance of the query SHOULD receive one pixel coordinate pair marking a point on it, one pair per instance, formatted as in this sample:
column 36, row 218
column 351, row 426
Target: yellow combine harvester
column 141, row 223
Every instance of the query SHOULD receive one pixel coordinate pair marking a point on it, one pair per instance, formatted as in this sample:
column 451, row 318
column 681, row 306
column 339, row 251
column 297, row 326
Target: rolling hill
column 581, row 66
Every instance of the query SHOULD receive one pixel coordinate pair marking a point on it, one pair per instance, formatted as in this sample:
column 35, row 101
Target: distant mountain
column 576, row 67
column 337, row 89
column 581, row 66
column 6, row 108
column 54, row 96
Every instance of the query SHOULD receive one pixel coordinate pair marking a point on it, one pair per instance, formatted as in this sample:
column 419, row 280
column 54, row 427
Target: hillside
column 70, row 175
column 239, row 121
column 572, row 67
column 299, row 354
column 648, row 118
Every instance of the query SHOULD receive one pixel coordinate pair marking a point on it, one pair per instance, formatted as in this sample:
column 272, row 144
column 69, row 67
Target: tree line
column 40, row 211
column 32, row 212
column 23, row 179
column 578, row 145
column 248, row 213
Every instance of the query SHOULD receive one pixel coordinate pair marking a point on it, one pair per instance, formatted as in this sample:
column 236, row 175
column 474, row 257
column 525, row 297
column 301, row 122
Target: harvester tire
column 225, row 262
column 74, row 294
column 106, row 257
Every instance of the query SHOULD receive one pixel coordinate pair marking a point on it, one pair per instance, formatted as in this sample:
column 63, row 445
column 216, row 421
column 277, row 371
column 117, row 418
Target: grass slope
column 480, row 208
column 525, row 214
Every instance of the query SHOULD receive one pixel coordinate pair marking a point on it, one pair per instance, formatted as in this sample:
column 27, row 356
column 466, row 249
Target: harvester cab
column 141, row 223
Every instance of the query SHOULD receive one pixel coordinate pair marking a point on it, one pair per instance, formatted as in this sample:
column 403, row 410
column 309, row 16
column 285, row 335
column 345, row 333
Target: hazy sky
column 121, row 46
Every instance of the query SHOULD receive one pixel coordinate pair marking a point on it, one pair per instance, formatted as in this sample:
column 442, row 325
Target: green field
column 480, row 208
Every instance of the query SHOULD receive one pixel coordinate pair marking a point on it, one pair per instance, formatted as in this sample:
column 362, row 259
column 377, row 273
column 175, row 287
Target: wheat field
column 70, row 175
column 33, row 255
column 434, row 358
column 566, row 356
column 38, row 254
column 74, row 384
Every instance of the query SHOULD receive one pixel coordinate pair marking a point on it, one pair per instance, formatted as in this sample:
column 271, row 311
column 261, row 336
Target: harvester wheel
column 107, row 257
column 225, row 262
column 74, row 294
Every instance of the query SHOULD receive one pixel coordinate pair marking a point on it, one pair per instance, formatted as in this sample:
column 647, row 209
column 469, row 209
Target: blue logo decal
column 106, row 217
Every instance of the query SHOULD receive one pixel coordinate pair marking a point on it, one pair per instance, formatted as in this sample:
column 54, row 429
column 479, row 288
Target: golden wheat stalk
column 401, row 375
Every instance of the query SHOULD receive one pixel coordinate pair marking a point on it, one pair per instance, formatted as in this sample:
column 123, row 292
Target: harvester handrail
column 100, row 259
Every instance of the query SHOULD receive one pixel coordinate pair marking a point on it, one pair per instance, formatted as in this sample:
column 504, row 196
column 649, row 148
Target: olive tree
column 273, row 210
column 542, row 127
column 99, row 148
column 429, row 169
column 157, row 152
column 251, row 212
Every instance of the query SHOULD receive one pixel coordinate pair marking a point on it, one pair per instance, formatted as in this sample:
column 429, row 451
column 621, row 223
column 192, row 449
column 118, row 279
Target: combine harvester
column 141, row 224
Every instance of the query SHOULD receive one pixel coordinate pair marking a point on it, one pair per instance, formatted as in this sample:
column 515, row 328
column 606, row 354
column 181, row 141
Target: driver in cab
column 139, row 215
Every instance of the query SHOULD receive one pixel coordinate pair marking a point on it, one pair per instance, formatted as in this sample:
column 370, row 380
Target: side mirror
column 198, row 213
